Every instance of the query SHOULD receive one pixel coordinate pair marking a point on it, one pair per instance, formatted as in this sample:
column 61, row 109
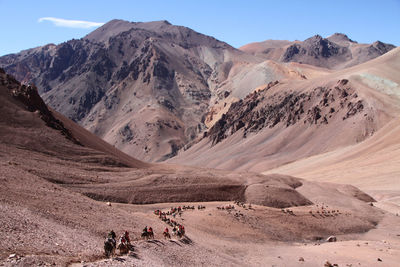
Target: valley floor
column 209, row 243
column 245, row 236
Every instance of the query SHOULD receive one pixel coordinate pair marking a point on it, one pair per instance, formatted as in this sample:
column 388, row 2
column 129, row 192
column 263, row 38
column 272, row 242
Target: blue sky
column 233, row 21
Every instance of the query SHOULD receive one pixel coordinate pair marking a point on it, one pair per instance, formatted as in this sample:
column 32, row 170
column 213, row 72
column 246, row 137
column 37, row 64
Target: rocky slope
column 334, row 52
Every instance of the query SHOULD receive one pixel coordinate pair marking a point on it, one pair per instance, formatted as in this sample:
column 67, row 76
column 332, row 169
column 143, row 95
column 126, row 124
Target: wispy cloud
column 71, row 23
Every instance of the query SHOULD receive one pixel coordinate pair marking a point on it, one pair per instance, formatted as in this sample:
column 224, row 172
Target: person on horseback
column 122, row 240
column 110, row 244
column 126, row 236
column 166, row 233
column 112, row 234
column 150, row 233
column 145, row 230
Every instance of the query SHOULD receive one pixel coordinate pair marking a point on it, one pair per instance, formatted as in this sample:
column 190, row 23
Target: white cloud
column 71, row 23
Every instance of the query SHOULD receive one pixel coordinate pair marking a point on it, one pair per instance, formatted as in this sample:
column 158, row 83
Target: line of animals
column 321, row 210
column 178, row 229
column 229, row 207
column 243, row 205
column 324, row 211
column 238, row 203
column 124, row 242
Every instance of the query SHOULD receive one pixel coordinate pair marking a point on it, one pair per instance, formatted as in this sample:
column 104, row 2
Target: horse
column 150, row 235
column 109, row 247
column 179, row 234
column 166, row 235
column 147, row 235
column 123, row 248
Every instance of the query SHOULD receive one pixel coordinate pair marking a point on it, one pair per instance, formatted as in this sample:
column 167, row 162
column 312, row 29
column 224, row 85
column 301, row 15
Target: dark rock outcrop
column 28, row 95
column 260, row 110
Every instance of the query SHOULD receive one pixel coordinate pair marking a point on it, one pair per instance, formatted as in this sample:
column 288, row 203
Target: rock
column 332, row 238
column 108, row 204
column 12, row 256
column 301, row 259
column 379, row 259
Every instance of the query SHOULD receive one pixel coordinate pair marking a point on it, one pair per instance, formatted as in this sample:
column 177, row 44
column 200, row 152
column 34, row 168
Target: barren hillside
column 286, row 121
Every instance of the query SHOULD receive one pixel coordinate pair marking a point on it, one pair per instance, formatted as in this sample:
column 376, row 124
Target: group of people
column 110, row 244
column 124, row 241
column 177, row 228
column 124, row 238
column 147, row 233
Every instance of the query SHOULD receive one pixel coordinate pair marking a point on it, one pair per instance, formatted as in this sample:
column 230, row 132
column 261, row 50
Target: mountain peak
column 382, row 47
column 316, row 37
column 340, row 37
column 111, row 28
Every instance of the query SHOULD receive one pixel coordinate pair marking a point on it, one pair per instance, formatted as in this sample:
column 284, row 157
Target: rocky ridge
column 260, row 110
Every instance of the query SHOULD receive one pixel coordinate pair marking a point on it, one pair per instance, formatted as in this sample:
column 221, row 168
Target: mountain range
column 152, row 89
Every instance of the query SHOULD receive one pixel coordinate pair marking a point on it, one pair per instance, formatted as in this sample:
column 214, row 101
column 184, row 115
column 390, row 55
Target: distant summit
column 340, row 38
column 337, row 51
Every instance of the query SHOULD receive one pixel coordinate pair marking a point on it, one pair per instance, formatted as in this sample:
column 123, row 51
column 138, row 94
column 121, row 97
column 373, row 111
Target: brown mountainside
column 143, row 87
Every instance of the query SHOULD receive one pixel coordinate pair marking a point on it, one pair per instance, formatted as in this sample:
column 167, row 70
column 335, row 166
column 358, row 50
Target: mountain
column 337, row 51
column 143, row 87
column 55, row 176
column 148, row 89
column 286, row 121
column 152, row 89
